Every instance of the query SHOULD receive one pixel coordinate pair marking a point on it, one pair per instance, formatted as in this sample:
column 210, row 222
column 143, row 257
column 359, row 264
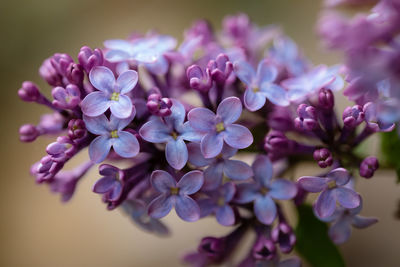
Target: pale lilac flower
column 332, row 188
column 111, row 184
column 260, row 86
column 219, row 128
column 176, row 194
column 111, row 134
column 173, row 131
column 264, row 190
column 66, row 98
column 111, row 94
column 373, row 121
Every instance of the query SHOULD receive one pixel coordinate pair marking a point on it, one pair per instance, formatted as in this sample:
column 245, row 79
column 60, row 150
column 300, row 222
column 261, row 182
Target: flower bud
column 368, row 167
column 324, row 157
column 89, row 58
column 29, row 92
column 28, row 133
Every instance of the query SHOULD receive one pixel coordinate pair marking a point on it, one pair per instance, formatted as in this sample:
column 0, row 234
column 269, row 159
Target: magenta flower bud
column 277, row 142
column 28, row 133
column 61, row 149
column 75, row 73
column 213, row 247
column 264, row 249
column 326, row 98
column 76, row 129
column 159, row 106
column 353, row 116
column 50, row 74
column 220, row 68
column 283, row 235
column 368, row 167
column 89, row 58
column 202, row 29
column 238, row 26
column 66, row 98
column 61, row 62
column 199, row 80
column 324, row 157
column 307, row 119
column 29, row 92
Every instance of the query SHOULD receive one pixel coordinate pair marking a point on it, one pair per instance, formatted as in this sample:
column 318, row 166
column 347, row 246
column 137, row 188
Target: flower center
column 220, row 127
column 264, row 190
column 174, row 190
column 114, row 134
column 221, row 201
column 174, row 135
column 115, row 96
column 331, row 184
column 256, row 89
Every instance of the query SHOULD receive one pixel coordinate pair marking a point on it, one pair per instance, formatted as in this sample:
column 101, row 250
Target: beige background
column 37, row 230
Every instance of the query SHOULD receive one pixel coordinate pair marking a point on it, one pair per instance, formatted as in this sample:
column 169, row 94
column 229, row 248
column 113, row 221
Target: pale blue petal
column 245, row 72
column 126, row 145
column 340, row 231
column 119, row 44
column 202, row 119
column 253, row 100
column 155, row 131
column 162, row 181
column 176, row 153
column 104, row 185
column 122, row 108
column 191, row 182
column 187, row 209
column 265, row 209
column 225, row 215
column 340, row 175
column 325, row 204
column 126, row 81
column 95, row 104
column 159, row 66
column 97, row 125
column 102, row 78
column 363, row 222
column 177, row 114
column 213, row 176
column 211, row 145
column 189, row 134
column 347, row 197
column 283, row 189
column 266, row 73
column 196, row 157
column 119, row 124
column 116, row 55
column 99, row 148
column 238, row 136
column 313, row 184
column 276, row 94
column 230, row 110
column 237, row 170
column 246, row 192
column 262, row 168
column 160, row 206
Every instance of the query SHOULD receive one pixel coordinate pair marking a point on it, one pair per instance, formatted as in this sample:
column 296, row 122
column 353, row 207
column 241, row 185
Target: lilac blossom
column 333, row 189
column 173, row 131
column 264, row 190
column 110, row 185
column 260, row 86
column 219, row 166
column 176, row 194
column 373, row 122
column 66, row 98
column 199, row 79
column 111, row 94
column 110, row 134
column 368, row 167
column 220, row 127
column 323, row 157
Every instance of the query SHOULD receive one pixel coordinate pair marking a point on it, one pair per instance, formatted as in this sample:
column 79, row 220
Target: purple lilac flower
column 373, row 122
column 220, row 68
column 219, row 166
column 110, row 185
column 218, row 203
column 159, row 106
column 219, row 128
column 353, row 116
column 89, row 58
column 332, row 188
column 172, row 131
column 323, row 156
column 110, row 134
column 260, row 86
column 111, row 94
column 321, row 76
column 66, row 98
column 176, row 194
column 264, row 190
column 199, row 80
column 283, row 235
column 368, row 167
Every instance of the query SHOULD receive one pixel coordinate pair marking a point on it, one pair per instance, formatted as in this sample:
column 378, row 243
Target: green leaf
column 390, row 146
column 313, row 242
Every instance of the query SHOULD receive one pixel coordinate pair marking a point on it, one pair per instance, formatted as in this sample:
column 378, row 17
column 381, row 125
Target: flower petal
column 340, row 175
column 225, row 215
column 245, row 72
column 196, row 157
column 122, row 108
column 116, row 55
column 253, row 100
column 155, row 131
column 276, row 94
column 347, row 197
column 97, row 125
column 230, row 109
column 104, row 185
column 191, row 182
column 246, row 193
column 265, row 209
column 283, row 189
column 266, row 72
column 115, row 193
column 162, row 181
column 160, row 206
column 312, row 184
column 99, row 148
column 340, row 231
column 187, row 209
column 213, row 176
column 126, row 145
column 126, row 81
column 95, row 104
column 201, row 119
column 211, row 145
column 262, row 168
column 207, row 206
column 238, row 136
column 325, row 204
column 119, row 124
column 102, row 78
column 363, row 222
column 237, row 170
column 177, row 116
column 189, row 134
column 176, row 153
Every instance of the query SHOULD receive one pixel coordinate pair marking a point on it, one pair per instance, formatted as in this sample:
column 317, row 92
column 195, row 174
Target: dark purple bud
column 62, row 149
column 280, row 119
column 237, row 26
column 50, row 74
column 75, row 73
column 61, row 63
column 89, row 58
column 220, row 68
column 326, row 98
column 368, row 167
column 29, row 92
column 307, row 118
column 159, row 106
column 213, row 247
column 324, row 157
column 199, row 80
column 283, row 235
column 66, row 98
column 76, row 129
column 264, row 249
column 353, row 116
column 28, row 133
column 277, row 142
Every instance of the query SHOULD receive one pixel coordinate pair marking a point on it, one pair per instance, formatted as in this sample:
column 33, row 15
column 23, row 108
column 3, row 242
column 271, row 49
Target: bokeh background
column 36, row 229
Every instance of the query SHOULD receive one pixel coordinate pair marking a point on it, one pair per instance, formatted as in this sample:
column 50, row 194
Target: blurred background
column 36, row 229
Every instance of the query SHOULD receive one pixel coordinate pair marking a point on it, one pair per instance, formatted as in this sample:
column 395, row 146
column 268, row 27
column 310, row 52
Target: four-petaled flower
column 111, row 134
column 260, row 86
column 176, row 194
column 172, row 131
column 219, row 128
column 111, row 184
column 111, row 94
column 332, row 188
column 264, row 190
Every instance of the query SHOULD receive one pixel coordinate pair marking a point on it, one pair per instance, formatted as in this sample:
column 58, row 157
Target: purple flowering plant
column 214, row 126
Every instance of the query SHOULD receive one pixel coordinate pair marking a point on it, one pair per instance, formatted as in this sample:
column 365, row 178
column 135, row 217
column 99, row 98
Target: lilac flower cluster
column 134, row 104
